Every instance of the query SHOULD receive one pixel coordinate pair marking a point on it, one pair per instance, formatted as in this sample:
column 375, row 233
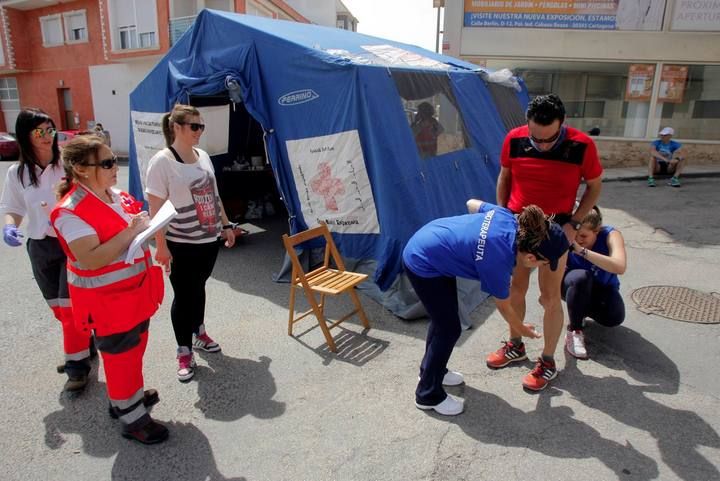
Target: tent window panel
column 432, row 113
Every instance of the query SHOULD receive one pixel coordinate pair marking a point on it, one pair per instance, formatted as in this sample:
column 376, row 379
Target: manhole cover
column 678, row 303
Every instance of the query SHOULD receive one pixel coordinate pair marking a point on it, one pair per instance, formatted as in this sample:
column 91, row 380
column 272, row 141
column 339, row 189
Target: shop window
column 75, row 26
column 692, row 101
column 594, row 94
column 432, row 113
column 52, row 30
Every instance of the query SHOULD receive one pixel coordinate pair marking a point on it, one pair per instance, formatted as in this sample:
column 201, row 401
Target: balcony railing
column 178, row 26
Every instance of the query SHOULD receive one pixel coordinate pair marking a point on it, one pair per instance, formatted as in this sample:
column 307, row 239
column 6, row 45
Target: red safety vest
column 117, row 297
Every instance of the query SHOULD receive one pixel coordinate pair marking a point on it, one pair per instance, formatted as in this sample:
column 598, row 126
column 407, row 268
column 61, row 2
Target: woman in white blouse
column 27, row 197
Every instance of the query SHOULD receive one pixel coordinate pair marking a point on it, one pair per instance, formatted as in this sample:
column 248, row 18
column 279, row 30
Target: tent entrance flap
column 245, row 179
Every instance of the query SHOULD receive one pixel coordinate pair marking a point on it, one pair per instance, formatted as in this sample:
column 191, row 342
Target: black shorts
column 664, row 168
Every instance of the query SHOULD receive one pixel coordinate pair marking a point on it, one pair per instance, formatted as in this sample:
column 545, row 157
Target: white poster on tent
column 333, row 184
column 149, row 139
column 147, row 131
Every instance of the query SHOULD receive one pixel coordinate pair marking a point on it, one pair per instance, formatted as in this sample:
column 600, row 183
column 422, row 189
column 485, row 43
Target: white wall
column 113, row 110
column 321, row 12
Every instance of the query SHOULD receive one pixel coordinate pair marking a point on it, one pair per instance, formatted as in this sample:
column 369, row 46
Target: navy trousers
column 439, row 296
column 587, row 298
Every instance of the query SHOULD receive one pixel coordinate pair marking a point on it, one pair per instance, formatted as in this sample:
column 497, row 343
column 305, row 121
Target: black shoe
column 76, row 383
column 150, row 398
column 151, row 433
column 77, row 373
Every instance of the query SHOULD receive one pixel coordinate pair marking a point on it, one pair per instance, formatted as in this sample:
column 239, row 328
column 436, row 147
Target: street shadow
column 548, row 430
column 186, row 454
column 231, row 388
column 686, row 215
column 625, row 350
column 356, row 348
column 680, row 434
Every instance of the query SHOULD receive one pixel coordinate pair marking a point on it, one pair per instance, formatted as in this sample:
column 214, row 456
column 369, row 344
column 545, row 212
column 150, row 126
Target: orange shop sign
column 672, row 83
column 639, row 82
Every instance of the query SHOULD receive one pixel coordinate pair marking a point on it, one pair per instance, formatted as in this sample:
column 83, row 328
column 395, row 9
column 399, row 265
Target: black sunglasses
column 106, row 164
column 193, row 126
column 549, row 140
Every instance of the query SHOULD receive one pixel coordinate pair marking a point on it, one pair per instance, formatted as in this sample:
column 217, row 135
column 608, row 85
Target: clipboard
column 163, row 217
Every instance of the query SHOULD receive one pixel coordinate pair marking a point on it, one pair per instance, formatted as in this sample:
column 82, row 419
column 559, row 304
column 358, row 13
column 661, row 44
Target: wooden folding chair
column 323, row 281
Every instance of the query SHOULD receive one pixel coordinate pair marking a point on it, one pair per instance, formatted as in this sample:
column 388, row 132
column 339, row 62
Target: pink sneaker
column 186, row 367
column 205, row 343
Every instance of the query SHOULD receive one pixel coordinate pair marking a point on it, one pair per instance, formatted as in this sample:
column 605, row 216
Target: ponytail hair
column 593, row 219
column 178, row 115
column 81, row 150
column 533, row 227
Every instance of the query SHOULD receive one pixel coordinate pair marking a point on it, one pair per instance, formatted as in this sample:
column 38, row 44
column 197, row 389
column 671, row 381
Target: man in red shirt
column 543, row 163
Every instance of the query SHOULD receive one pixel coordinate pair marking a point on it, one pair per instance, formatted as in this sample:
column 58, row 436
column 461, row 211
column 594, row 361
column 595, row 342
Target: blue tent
column 341, row 114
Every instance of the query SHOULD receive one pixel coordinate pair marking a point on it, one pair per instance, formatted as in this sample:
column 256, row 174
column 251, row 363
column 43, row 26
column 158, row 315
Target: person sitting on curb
column 591, row 287
column 665, row 158
column 484, row 245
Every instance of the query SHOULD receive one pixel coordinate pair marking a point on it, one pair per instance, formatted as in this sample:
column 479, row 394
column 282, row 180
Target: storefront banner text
column 696, row 16
column 580, row 15
column 332, row 183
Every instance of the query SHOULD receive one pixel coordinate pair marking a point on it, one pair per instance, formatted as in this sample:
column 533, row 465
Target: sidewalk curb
column 692, row 175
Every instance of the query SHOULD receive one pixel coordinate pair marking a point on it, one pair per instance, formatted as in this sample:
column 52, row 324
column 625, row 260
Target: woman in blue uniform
column 591, row 287
column 484, row 246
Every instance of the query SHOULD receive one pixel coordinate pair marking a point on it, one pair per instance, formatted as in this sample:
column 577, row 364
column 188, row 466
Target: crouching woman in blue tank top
column 484, row 246
column 591, row 287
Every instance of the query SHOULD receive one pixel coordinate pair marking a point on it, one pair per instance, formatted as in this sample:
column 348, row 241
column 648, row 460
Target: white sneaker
column 451, row 406
column 452, row 378
column 575, row 344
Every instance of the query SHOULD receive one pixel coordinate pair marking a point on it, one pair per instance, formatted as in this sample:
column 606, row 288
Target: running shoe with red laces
column 540, row 376
column 506, row 354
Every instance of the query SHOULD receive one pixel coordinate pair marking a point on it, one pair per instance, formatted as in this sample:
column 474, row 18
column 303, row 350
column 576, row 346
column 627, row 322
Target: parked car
column 65, row 136
column 8, row 147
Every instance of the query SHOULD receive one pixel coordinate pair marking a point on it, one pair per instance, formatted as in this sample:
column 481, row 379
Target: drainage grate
column 678, row 303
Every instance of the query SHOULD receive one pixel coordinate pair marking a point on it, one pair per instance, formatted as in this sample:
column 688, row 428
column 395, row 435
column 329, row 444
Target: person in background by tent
column 28, row 196
column 184, row 174
column 484, row 245
column 426, row 130
column 100, row 131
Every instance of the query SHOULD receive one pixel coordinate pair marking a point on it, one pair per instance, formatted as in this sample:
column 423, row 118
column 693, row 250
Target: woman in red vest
column 95, row 225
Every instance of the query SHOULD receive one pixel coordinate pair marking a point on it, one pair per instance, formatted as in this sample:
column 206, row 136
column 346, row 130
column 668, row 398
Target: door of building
column 67, row 121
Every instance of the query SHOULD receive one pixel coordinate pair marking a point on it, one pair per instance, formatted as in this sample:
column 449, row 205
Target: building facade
column 624, row 68
column 80, row 59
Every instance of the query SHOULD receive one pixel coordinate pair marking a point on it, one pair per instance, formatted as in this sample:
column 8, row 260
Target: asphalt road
column 273, row 407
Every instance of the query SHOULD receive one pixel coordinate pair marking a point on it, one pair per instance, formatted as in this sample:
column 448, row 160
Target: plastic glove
column 12, row 235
